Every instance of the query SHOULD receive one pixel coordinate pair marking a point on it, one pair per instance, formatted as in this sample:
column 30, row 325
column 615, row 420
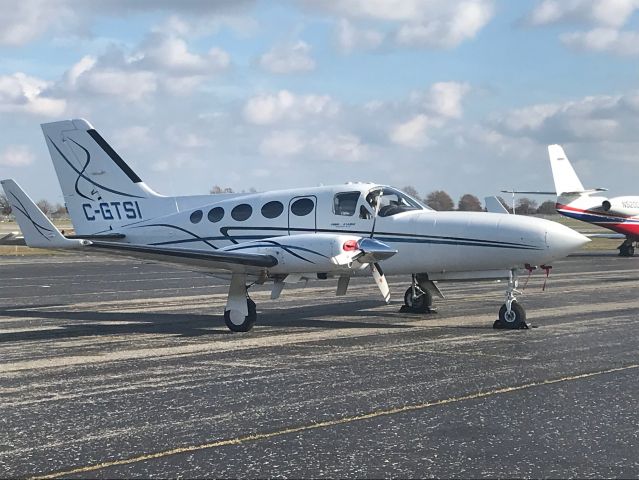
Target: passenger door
column 302, row 215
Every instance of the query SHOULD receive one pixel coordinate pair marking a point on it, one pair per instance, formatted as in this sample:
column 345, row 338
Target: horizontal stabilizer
column 37, row 229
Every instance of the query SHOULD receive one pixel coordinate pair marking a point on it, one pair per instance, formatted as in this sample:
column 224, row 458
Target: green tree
column 440, row 201
column 469, row 203
column 547, row 208
column 526, row 206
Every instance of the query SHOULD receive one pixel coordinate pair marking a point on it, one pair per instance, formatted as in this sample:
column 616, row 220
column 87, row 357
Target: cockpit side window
column 345, row 203
column 391, row 201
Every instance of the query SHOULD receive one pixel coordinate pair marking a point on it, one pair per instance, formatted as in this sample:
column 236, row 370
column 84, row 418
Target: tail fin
column 37, row 229
column 566, row 180
column 494, row 205
column 100, row 190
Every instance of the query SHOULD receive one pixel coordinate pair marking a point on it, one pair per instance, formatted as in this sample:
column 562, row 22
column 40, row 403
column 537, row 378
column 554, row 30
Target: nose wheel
column 417, row 300
column 512, row 315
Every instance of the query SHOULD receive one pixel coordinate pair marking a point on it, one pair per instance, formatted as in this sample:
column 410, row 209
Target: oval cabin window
column 272, row 209
column 241, row 212
column 302, row 207
column 216, row 214
column 196, row 216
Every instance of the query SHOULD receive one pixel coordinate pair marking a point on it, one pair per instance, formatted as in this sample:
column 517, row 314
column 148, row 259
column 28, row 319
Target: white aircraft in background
column 619, row 214
column 283, row 236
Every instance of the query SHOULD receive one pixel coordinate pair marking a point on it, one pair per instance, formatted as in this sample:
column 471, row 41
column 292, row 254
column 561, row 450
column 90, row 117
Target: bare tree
column 439, row 200
column 5, row 207
column 526, row 206
column 547, row 208
column 45, row 206
column 469, row 203
column 411, row 191
column 218, row 189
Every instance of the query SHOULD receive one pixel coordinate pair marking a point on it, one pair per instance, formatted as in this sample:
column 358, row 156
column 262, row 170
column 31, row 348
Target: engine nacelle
column 317, row 252
column 627, row 206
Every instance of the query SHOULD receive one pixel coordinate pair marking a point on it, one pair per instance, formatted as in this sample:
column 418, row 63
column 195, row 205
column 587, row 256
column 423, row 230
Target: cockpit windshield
column 392, row 201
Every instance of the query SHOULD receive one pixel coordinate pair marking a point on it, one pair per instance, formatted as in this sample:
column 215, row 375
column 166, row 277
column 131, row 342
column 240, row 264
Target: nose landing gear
column 417, row 299
column 511, row 314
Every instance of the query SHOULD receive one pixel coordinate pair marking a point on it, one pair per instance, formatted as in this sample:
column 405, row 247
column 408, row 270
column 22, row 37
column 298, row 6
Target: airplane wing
column 605, row 235
column 39, row 232
column 12, row 238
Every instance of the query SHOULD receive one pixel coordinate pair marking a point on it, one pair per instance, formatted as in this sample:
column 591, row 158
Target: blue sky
column 459, row 95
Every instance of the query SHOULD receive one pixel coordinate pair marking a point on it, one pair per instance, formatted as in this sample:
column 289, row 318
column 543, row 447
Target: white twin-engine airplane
column 283, row 236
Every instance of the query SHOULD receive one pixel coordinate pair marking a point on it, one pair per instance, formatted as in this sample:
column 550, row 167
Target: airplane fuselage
column 427, row 241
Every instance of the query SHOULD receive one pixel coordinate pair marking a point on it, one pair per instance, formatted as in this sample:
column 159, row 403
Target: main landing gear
column 417, row 299
column 511, row 314
column 240, row 312
column 627, row 248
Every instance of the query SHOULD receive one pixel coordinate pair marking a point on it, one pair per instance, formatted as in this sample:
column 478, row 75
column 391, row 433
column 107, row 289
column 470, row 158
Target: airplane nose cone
column 562, row 240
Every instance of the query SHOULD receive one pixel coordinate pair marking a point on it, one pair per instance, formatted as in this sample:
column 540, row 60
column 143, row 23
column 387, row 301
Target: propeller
column 376, row 251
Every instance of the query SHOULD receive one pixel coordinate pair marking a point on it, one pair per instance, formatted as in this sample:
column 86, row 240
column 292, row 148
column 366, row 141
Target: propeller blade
column 380, row 280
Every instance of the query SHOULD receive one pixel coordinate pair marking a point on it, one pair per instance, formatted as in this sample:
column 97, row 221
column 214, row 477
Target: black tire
column 626, row 250
column 248, row 322
column 516, row 319
column 423, row 301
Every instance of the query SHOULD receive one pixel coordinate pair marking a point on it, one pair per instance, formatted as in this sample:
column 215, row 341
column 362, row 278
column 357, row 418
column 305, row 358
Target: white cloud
column 341, row 147
column 132, row 137
column 284, row 105
column 465, row 22
column 417, row 23
column 604, row 40
column 170, row 54
column 412, row 133
column 124, row 84
column 160, row 62
column 23, row 21
column 608, row 13
column 445, row 98
column 20, row 93
column 16, row 156
column 590, row 119
column 283, row 143
column 289, row 58
column 350, row 38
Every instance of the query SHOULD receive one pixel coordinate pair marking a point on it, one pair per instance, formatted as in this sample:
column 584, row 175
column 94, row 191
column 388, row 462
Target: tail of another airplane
column 566, row 180
column 100, row 190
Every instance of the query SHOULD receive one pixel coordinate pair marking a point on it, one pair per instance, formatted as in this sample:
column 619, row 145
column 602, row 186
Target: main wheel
column 422, row 300
column 626, row 250
column 514, row 319
column 238, row 322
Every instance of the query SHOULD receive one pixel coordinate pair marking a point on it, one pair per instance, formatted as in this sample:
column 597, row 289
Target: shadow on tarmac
column 79, row 323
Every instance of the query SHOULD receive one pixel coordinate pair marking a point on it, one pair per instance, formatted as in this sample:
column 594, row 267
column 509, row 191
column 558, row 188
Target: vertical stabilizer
column 566, row 180
column 100, row 190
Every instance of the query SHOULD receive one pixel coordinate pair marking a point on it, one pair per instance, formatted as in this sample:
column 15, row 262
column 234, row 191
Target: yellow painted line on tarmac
column 328, row 423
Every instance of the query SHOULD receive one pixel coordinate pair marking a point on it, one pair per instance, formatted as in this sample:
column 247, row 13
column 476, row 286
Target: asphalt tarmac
column 111, row 369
